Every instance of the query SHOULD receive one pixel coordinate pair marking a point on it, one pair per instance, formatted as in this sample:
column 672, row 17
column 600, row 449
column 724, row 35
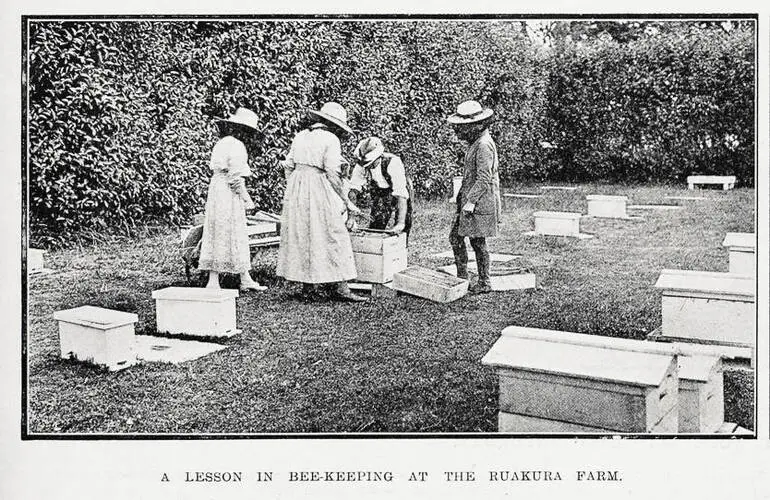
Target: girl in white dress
column 225, row 243
column 315, row 244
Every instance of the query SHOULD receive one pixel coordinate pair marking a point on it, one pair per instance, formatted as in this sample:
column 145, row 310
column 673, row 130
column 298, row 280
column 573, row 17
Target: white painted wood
column 379, row 268
column 557, row 223
column 377, row 243
column 457, row 183
column 195, row 311
column 522, row 195
column 653, row 207
column 514, row 423
column 261, row 227
column 701, row 394
column 727, row 181
column 584, row 401
column 430, row 284
column 708, row 307
column 499, row 280
column 643, row 369
column 706, row 284
column 582, row 339
column 741, row 248
column 167, row 350
column 559, row 188
column 607, row 206
column 686, row 198
column 35, row 260
column 96, row 335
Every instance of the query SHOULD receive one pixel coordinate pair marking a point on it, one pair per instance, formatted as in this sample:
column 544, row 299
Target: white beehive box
column 701, row 394
column 195, row 311
column 727, row 181
column 96, row 335
column 742, row 252
column 607, row 206
column 457, row 183
column 35, row 260
column 378, row 256
column 557, row 223
column 590, row 386
column 708, row 307
column 501, row 279
column 430, row 284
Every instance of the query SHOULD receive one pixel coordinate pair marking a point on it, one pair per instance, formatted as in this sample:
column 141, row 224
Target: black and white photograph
column 264, row 229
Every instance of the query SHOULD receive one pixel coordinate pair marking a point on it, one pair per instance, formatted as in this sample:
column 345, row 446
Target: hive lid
column 707, row 282
column 580, row 361
column 697, row 367
column 96, row 317
column 606, row 197
column 740, row 241
column 436, row 277
column 194, row 294
column 558, row 215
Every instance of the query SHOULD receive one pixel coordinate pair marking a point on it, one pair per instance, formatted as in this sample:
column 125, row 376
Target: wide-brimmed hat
column 333, row 114
column 470, row 112
column 244, row 117
column 368, row 150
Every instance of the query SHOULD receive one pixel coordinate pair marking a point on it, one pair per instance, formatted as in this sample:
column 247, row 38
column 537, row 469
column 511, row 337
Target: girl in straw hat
column 315, row 245
column 478, row 202
column 225, row 243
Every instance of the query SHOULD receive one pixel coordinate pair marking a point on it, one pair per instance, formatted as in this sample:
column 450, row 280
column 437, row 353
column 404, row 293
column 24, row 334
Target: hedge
column 121, row 113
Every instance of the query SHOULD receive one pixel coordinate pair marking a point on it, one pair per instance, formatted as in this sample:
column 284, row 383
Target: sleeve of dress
column 398, row 177
column 332, row 160
column 484, row 159
column 238, row 162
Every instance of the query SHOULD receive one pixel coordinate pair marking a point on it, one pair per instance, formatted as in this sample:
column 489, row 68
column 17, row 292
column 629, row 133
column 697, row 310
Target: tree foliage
column 121, row 114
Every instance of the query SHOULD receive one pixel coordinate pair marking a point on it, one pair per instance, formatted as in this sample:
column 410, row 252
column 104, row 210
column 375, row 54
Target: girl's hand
column 353, row 209
column 249, row 205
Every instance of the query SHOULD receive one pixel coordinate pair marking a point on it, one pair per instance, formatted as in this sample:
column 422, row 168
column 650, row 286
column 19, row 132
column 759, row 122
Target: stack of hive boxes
column 561, row 382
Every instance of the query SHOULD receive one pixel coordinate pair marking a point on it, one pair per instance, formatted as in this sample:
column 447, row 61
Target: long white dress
column 315, row 245
column 225, row 243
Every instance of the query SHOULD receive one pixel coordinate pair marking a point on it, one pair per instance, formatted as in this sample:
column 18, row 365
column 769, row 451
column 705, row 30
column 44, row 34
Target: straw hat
column 470, row 112
column 368, row 150
column 244, row 117
column 333, row 114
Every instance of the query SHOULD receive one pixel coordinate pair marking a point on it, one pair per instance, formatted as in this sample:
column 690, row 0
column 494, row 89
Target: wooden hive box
column 35, row 260
column 501, row 278
column 607, row 206
column 378, row 255
column 741, row 248
column 708, row 307
column 727, row 181
column 430, row 284
column 557, row 223
column 195, row 311
column 701, row 394
column 586, row 385
column 99, row 336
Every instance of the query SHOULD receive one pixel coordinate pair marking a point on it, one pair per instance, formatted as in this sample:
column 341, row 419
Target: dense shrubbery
column 121, row 114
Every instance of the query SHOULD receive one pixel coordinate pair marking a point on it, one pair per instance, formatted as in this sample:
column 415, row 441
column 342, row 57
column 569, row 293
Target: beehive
column 430, row 284
column 607, row 206
column 701, row 394
column 708, row 307
column 195, row 311
column 585, row 385
column 741, row 248
column 96, row 335
column 557, row 223
column 378, row 256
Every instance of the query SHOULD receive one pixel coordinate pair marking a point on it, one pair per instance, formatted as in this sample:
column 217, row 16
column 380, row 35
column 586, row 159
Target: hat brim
column 370, row 158
column 227, row 120
column 331, row 120
column 456, row 119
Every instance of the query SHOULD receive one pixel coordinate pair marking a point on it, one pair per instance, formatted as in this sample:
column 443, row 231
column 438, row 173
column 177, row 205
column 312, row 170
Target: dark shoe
column 343, row 293
column 480, row 288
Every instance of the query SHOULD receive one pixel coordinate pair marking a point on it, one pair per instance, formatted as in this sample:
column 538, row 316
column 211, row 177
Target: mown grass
column 390, row 365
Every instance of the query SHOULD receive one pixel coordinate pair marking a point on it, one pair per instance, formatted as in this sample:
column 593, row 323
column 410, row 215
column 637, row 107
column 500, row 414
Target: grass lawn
column 389, row 365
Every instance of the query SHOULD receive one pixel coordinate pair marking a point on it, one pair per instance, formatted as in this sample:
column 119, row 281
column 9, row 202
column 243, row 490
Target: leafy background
column 121, row 113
